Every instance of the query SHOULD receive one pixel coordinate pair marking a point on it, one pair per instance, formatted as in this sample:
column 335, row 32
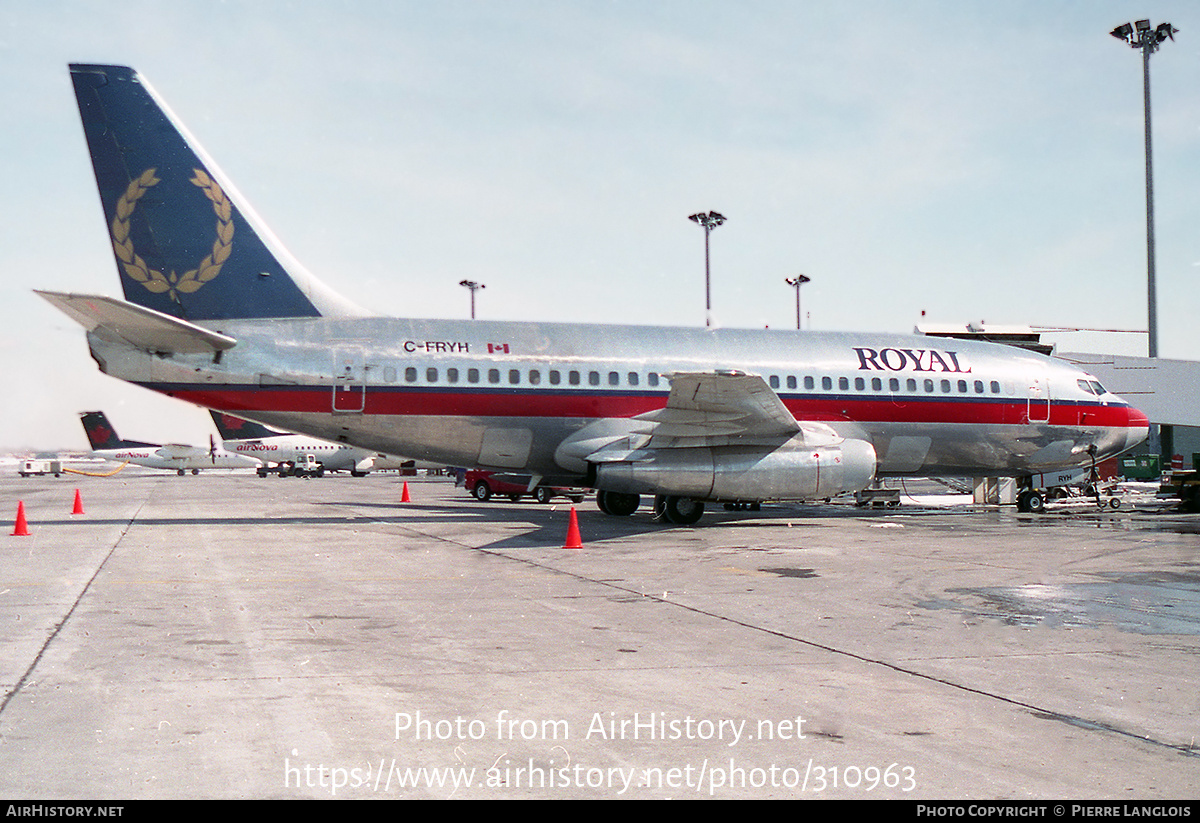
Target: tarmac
column 225, row 636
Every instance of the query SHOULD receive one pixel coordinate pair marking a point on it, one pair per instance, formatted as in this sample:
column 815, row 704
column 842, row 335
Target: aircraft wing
column 139, row 326
column 704, row 407
column 179, row 451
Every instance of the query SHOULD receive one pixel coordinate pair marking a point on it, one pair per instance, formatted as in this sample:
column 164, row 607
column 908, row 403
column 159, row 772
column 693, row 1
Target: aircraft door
column 349, row 380
column 1039, row 401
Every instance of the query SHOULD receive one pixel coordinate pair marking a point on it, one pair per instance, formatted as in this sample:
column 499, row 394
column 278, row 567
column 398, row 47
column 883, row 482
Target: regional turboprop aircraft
column 286, row 450
column 175, row 456
column 216, row 313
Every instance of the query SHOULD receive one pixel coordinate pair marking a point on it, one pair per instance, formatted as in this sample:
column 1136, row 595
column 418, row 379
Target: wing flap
column 703, row 406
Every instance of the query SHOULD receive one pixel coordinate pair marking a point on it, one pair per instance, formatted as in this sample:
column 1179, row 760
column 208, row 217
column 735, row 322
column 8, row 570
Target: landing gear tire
column 542, row 494
column 617, row 504
column 1031, row 501
column 682, row 511
column 481, row 491
column 180, row 472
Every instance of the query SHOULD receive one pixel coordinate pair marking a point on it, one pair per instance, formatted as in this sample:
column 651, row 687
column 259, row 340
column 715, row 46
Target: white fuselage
column 176, row 457
column 292, row 448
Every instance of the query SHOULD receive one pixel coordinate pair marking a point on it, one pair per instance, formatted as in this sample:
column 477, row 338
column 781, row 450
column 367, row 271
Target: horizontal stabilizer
column 139, row 326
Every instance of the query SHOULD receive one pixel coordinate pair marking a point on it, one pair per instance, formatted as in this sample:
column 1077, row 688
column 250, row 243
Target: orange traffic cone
column 573, row 540
column 22, row 528
column 404, row 498
column 78, row 504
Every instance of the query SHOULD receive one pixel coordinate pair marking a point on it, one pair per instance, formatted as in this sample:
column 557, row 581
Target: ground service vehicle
column 483, row 485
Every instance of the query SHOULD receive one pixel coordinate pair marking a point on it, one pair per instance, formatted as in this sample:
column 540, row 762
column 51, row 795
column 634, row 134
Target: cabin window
column 431, row 375
column 843, row 383
column 555, row 377
column 535, row 377
column 894, row 384
column 827, row 383
column 514, row 376
column 633, row 378
column 593, row 378
column 995, row 387
column 493, row 375
column 614, row 379
column 452, row 375
column 389, row 374
column 791, row 381
column 860, row 384
column 979, row 387
column 876, row 384
column 652, row 378
column 410, row 375
column 945, row 387
column 573, row 378
column 962, row 386
column 773, row 381
column 928, row 385
column 910, row 385
column 808, row 383
column 472, row 375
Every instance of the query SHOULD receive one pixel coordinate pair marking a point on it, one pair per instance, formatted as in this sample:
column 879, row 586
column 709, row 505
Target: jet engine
column 732, row 473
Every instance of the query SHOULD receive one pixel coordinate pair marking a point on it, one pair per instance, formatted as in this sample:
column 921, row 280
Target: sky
column 936, row 162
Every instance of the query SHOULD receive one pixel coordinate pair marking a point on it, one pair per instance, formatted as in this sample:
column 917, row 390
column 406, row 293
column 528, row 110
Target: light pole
column 474, row 287
column 1140, row 35
column 796, row 282
column 708, row 222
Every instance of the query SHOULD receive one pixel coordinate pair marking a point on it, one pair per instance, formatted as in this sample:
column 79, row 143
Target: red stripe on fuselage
column 531, row 403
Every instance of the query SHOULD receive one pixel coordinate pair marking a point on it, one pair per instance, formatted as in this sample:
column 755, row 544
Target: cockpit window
column 1086, row 386
column 1098, row 389
column 1092, row 387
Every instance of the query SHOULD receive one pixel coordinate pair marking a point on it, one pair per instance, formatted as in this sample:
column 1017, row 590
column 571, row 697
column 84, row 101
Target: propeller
column 212, row 449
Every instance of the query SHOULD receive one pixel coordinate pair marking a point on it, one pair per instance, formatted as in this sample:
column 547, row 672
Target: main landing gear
column 617, row 504
column 678, row 511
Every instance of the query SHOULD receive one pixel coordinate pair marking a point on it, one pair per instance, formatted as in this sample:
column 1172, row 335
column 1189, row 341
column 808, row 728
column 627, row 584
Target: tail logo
column 176, row 284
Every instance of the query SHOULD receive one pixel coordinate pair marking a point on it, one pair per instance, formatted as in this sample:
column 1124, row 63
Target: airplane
column 287, row 451
column 181, row 458
column 218, row 314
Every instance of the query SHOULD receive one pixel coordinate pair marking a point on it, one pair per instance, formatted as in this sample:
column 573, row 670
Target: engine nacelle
column 791, row 472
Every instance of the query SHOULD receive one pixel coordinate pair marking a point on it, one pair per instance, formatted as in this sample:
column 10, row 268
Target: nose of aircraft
column 1137, row 427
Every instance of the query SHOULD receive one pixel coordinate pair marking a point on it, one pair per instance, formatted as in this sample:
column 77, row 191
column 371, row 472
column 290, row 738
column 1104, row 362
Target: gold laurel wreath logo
column 156, row 281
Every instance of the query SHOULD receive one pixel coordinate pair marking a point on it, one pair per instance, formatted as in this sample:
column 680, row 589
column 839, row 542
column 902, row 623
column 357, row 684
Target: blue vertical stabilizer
column 185, row 242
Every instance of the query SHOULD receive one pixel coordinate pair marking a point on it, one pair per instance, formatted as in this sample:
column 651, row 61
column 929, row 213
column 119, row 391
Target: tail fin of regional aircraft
column 235, row 428
column 185, row 241
column 102, row 435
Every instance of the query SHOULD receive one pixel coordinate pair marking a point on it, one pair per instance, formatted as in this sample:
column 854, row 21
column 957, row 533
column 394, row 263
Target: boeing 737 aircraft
column 286, row 451
column 180, row 458
column 218, row 314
